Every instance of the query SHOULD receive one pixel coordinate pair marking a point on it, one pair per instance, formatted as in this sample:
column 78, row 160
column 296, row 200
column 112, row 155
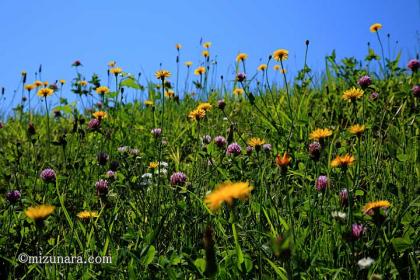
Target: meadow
column 243, row 177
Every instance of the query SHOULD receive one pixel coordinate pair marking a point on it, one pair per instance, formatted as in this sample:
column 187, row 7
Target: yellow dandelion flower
column 197, row 114
column 40, row 212
column 241, row 57
column 178, row 46
column 256, row 142
column 115, row 70
column 205, row 53
column 188, row 63
column 280, row 54
column 44, row 92
column 357, row 129
column 204, row 106
column 38, row 83
column 352, row 94
column 199, row 70
column 102, row 90
column 227, row 192
column 162, row 74
column 169, row 93
column 86, row 215
column 283, row 161
column 375, row 27
column 148, row 103
column 262, row 67
column 153, row 165
column 30, row 87
column 100, row 115
column 207, row 45
column 112, row 64
column 62, row 82
column 343, row 161
column 376, row 204
column 320, row 133
column 283, row 71
column 46, row 84
column 238, row 91
column 276, row 67
column 83, row 83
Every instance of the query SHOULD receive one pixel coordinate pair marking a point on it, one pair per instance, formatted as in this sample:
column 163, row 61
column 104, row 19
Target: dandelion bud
column 13, row 196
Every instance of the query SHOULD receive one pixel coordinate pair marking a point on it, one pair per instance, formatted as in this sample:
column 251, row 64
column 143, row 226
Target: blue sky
column 140, row 35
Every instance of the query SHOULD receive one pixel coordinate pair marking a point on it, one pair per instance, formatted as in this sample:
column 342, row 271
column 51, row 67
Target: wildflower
column 13, row 196
column 157, row 132
column 102, row 158
column 280, row 54
column 322, row 183
column 162, row 74
column 357, row 129
column 40, row 212
column 111, row 174
column 169, row 93
column 241, row 57
column 153, row 165
column 343, row 161
column 240, row 77
column 30, row 87
column 199, row 71
column 344, row 196
column 374, row 96
column 102, row 90
column 372, row 206
column 48, row 175
column 62, row 82
column 206, row 139
column 123, row 149
column 233, row 149
column 38, row 83
column 375, row 27
column 227, row 192
column 221, row 104
column 45, row 84
column 320, row 133
column 220, row 141
column 238, row 91
column 146, row 179
column 256, row 143
column 283, row 161
column 207, row 45
column 315, row 150
column 352, row 94
column 416, row 90
column 205, row 53
column 262, row 67
column 100, row 115
column 178, row 179
column 339, row 215
column 178, row 46
column 115, row 70
column 276, row 67
column 83, row 83
column 414, row 65
column 357, row 231
column 102, row 187
column 249, row 150
column 148, row 103
column 197, row 114
column 204, row 106
column 266, row 147
column 44, row 92
column 364, row 81
column 86, row 215
column 77, row 63
column 94, row 124
column 188, row 64
column 365, row 262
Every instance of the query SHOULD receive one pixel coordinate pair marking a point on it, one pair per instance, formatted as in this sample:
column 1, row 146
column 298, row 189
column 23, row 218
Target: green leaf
column 237, row 246
column 146, row 260
column 281, row 272
column 200, row 264
column 131, row 83
column 359, row 193
column 401, row 244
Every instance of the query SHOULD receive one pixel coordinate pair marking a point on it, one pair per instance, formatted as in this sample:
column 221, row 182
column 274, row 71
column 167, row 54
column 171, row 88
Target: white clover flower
column 164, row 164
column 365, row 262
column 339, row 215
column 147, row 175
column 123, row 149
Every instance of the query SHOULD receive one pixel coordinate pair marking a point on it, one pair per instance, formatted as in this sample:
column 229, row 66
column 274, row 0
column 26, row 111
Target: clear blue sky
column 141, row 34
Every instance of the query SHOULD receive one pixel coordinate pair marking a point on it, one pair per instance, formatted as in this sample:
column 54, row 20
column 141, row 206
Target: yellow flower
column 205, row 53
column 162, row 74
column 40, row 212
column 100, row 115
column 283, row 71
column 83, row 83
column 148, row 103
column 238, row 91
column 241, row 57
column 62, row 82
column 280, row 54
column 85, row 215
column 204, row 106
column 188, row 64
column 199, row 70
column 44, row 92
column 276, row 67
column 153, row 165
column 262, row 67
column 169, row 93
column 284, row 160
column 112, row 63
column 256, row 142
column 227, row 192
column 357, row 129
column 197, row 114
column 178, row 46
column 352, row 94
column 376, row 204
column 45, row 84
column 38, row 83
column 375, row 27
column 343, row 161
column 30, row 87
column 207, row 45
column 320, row 133
column 102, row 90
column 115, row 71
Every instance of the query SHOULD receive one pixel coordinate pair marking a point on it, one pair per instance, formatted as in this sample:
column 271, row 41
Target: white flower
column 147, row 175
column 163, row 171
column 164, row 164
column 225, row 119
column 365, row 262
column 123, row 149
column 134, row 152
column 339, row 215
